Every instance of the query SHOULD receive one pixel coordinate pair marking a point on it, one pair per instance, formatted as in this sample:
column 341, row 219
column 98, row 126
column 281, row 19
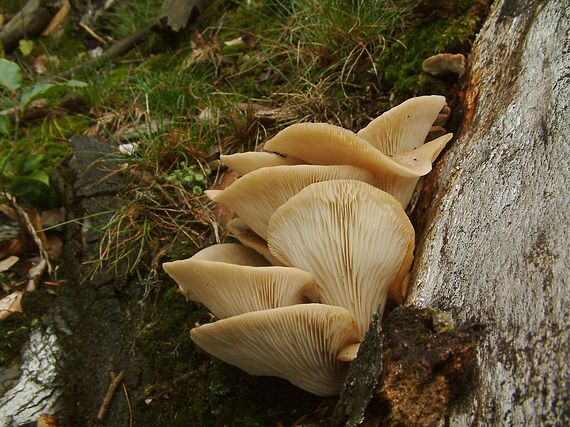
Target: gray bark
column 494, row 247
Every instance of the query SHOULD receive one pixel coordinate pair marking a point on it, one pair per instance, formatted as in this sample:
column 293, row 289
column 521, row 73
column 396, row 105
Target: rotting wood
column 492, row 221
column 28, row 23
column 493, row 242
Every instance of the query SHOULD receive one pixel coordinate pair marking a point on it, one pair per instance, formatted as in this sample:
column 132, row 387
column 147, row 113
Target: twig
column 93, row 33
column 128, row 404
column 26, row 223
column 34, row 275
column 116, row 379
column 116, row 50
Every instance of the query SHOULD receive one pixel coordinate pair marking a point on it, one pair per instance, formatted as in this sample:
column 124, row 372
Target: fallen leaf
column 11, row 304
column 52, row 217
column 7, row 263
column 40, row 64
column 47, row 421
column 55, row 245
column 10, row 247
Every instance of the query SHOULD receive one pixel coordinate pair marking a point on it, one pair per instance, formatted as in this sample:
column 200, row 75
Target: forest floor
column 168, row 107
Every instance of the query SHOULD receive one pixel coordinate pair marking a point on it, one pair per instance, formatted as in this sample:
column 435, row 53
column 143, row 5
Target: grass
column 338, row 61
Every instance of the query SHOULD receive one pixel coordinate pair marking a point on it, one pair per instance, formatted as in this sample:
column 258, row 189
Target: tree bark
column 493, row 219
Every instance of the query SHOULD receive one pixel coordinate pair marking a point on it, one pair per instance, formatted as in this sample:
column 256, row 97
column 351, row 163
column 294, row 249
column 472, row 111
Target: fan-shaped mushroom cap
column 255, row 196
column 247, row 237
column 354, row 239
column 325, row 144
column 232, row 253
column 299, row 343
column 405, row 126
column 403, row 188
column 229, row 289
column 243, row 163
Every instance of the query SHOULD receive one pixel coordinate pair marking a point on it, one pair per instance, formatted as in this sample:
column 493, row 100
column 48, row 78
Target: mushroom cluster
column 324, row 241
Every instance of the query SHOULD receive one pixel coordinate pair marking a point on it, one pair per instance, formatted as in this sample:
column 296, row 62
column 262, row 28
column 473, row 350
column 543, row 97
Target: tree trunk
column 493, row 236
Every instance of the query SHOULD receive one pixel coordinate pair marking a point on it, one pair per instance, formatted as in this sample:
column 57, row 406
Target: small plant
column 189, row 176
column 21, row 173
column 11, row 81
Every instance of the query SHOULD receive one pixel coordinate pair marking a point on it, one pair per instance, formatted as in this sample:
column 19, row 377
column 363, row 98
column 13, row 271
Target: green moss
column 185, row 386
column 401, row 63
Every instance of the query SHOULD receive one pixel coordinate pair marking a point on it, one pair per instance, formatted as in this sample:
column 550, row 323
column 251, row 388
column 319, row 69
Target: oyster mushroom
column 243, row 163
column 255, row 196
column 230, row 289
column 299, row 343
column 354, row 239
column 248, row 238
column 390, row 147
column 443, row 63
column 404, row 127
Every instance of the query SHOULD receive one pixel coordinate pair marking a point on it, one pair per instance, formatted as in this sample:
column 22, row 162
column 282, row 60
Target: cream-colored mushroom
column 403, row 188
column 247, row 237
column 387, row 147
column 232, row 253
column 354, row 239
column 255, row 196
column 243, row 163
column 325, row 144
column 404, row 127
column 229, row 289
column 299, row 343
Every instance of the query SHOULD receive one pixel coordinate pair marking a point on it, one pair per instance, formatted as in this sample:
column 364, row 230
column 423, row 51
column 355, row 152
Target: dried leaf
column 11, row 304
column 47, row 421
column 11, row 247
column 40, row 64
column 7, row 263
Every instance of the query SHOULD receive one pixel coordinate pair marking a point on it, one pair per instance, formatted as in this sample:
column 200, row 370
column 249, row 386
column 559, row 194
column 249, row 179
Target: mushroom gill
column 299, row 343
column 255, row 196
column 354, row 239
column 229, row 289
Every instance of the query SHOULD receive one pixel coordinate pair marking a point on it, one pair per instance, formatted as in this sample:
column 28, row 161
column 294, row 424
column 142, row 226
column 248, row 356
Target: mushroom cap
column 354, row 239
column 403, row 188
column 444, row 63
column 255, row 196
column 325, row 144
column 299, row 343
column 229, row 289
column 247, row 237
column 243, row 163
column 232, row 253
column 405, row 126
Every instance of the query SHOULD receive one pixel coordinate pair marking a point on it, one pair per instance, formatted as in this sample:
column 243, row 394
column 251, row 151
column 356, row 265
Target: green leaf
column 5, row 126
column 75, row 83
column 10, row 74
column 26, row 46
column 21, row 185
column 42, row 89
column 39, row 89
column 40, row 176
column 31, row 164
